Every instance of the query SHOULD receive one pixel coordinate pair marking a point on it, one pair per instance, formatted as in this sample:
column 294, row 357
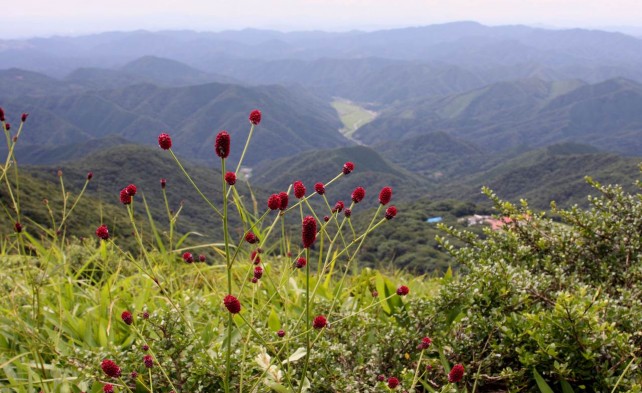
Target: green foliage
column 549, row 303
column 409, row 241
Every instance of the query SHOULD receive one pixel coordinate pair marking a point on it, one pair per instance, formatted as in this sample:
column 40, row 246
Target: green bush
column 544, row 302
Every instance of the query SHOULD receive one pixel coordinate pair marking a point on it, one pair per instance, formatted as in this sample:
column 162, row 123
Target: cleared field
column 352, row 116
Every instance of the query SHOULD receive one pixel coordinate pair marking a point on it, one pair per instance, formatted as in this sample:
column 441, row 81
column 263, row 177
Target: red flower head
column 309, row 231
column 258, row 272
column 403, row 290
column 326, row 218
column 2, row 114
column 108, row 388
column 133, row 375
column 391, row 212
column 283, row 196
column 358, row 194
column 148, row 360
column 201, row 258
column 425, row 343
column 456, row 373
column 338, row 206
column 300, row 263
column 375, row 294
column 381, row 377
column 24, row 116
column 110, row 368
column 255, row 117
column 385, row 195
column 163, row 183
column 347, row 212
column 103, row 232
column 7, row 126
column 254, row 280
column 274, row 202
column 232, row 304
column 281, row 333
column 348, row 167
column 222, row 144
column 165, row 141
column 17, row 227
column 90, row 175
column 393, row 382
column 319, row 188
column 251, row 238
column 131, row 190
column 188, row 257
column 255, row 257
column 127, row 317
column 319, row 322
column 230, row 178
column 299, row 189
column 145, row 347
column 145, row 314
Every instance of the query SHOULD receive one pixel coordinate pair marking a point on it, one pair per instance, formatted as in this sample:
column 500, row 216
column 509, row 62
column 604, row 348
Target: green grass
column 65, row 297
column 352, row 116
column 61, row 317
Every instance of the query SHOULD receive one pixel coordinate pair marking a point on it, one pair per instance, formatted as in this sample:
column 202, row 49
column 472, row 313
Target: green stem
column 622, row 376
column 194, row 184
column 11, row 147
column 247, row 143
column 74, row 205
column 415, row 379
column 226, row 238
column 307, row 319
column 172, row 221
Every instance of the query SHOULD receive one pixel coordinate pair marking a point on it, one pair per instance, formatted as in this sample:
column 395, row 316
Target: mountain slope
column 293, row 121
column 167, row 72
column 556, row 173
column 15, row 82
column 116, row 167
column 523, row 113
column 371, row 171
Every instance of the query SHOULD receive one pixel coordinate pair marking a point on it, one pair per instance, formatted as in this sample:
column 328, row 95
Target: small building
column 434, row 220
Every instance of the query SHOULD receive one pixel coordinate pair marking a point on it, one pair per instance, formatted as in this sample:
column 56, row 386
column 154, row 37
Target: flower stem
column 73, row 205
column 247, row 143
column 229, row 279
column 307, row 318
column 194, row 184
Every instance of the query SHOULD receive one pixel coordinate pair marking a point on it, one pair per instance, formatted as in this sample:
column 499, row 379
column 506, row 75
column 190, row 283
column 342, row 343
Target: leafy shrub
column 546, row 302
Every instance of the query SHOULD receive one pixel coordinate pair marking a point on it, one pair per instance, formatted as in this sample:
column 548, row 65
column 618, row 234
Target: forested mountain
column 371, row 171
column 294, row 121
column 525, row 113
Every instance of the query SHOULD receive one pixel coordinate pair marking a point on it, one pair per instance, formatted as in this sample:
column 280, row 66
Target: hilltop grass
column 61, row 318
column 352, row 116
column 264, row 313
column 540, row 305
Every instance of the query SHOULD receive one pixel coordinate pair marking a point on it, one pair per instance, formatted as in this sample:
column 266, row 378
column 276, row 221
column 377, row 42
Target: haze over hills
column 459, row 42
column 455, row 105
column 529, row 113
column 193, row 115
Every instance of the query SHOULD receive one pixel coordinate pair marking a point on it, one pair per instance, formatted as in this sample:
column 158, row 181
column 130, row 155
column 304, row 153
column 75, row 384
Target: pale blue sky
column 22, row 18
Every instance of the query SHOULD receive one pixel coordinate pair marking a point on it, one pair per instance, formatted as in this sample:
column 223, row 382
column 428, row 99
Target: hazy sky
column 22, row 18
